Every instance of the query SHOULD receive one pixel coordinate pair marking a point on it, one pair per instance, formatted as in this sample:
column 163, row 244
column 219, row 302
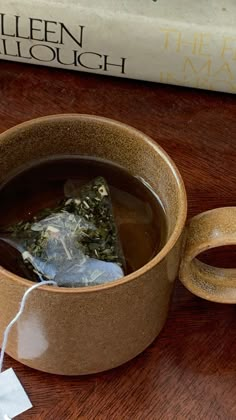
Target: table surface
column 189, row 371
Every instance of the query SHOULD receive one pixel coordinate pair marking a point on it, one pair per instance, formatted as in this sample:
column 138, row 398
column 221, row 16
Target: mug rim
column 182, row 201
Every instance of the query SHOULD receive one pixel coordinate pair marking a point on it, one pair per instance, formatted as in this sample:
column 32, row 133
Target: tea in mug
column 79, row 221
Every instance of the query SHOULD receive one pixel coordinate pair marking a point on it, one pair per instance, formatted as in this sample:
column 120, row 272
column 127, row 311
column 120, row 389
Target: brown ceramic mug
column 92, row 329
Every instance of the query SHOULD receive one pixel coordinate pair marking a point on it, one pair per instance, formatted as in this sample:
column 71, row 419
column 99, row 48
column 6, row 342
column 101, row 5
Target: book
column 181, row 42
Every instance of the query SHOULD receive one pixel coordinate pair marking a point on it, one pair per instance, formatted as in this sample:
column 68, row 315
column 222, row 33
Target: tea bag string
column 19, row 313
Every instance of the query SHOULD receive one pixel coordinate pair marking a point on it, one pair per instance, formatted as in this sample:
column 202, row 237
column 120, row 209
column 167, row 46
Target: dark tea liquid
column 139, row 215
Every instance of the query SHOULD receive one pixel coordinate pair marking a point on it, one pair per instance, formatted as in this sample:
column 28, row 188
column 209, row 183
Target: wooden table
column 190, row 370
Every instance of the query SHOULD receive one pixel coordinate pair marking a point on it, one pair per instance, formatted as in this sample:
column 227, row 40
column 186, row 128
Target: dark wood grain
column 190, row 370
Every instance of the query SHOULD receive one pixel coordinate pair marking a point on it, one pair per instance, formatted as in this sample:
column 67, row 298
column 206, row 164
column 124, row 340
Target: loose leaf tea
column 76, row 243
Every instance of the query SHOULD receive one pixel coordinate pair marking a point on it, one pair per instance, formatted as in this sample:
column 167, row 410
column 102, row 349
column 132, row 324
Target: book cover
column 180, row 42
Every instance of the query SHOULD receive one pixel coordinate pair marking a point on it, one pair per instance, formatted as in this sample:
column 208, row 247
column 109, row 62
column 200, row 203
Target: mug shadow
column 205, row 334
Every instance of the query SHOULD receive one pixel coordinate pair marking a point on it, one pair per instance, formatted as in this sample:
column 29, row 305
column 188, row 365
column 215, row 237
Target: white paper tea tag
column 13, row 398
column 4, row 416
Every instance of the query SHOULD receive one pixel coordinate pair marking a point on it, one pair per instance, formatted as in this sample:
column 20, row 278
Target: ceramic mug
column 92, row 329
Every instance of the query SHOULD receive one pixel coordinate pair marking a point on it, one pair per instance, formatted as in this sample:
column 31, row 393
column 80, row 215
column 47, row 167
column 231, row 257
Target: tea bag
column 75, row 244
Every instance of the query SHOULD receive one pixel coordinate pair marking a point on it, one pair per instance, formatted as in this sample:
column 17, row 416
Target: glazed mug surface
column 92, row 329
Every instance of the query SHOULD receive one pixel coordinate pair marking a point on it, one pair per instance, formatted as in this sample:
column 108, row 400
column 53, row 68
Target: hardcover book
column 181, row 42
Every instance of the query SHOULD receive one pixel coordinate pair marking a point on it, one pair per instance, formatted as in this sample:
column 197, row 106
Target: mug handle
column 208, row 230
